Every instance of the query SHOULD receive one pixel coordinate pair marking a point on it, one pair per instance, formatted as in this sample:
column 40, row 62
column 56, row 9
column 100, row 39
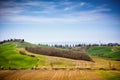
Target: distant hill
column 105, row 51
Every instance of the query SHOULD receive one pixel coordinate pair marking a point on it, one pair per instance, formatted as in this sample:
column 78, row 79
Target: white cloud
column 100, row 10
column 82, row 3
column 31, row 19
column 43, row 7
column 30, row 3
column 71, row 18
column 9, row 11
column 67, row 8
column 50, row 12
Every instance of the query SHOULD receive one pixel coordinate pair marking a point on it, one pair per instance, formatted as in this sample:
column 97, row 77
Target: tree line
column 12, row 40
column 80, row 45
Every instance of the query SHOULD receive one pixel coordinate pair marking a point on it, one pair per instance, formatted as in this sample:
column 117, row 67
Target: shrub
column 22, row 52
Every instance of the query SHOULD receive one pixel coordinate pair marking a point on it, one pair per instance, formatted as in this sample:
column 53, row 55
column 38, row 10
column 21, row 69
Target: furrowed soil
column 50, row 75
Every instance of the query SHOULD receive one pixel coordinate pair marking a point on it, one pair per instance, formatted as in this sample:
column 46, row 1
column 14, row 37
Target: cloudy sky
column 37, row 21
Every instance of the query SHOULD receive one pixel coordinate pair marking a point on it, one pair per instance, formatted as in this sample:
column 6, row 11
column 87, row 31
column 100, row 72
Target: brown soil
column 49, row 75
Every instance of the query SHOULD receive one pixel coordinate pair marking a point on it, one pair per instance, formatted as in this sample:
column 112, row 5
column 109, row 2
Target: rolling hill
column 11, row 58
column 105, row 52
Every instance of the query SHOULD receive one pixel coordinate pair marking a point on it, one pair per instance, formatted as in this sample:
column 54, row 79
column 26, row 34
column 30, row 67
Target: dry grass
column 105, row 63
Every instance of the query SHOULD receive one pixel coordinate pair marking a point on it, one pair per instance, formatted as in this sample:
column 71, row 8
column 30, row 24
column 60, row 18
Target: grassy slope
column 105, row 51
column 110, row 75
column 10, row 57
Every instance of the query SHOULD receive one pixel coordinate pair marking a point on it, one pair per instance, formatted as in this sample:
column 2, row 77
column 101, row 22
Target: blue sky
column 36, row 21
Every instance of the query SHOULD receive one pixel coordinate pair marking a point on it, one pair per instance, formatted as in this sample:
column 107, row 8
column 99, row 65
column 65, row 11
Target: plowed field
column 49, row 75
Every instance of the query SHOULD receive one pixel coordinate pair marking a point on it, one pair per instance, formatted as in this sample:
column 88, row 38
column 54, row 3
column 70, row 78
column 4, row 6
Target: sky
column 43, row 21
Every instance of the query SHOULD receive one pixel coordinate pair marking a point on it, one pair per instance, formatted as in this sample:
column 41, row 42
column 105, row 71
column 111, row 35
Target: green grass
column 105, row 51
column 10, row 58
column 110, row 75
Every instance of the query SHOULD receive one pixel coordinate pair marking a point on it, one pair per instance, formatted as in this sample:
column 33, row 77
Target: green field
column 105, row 52
column 110, row 75
column 10, row 58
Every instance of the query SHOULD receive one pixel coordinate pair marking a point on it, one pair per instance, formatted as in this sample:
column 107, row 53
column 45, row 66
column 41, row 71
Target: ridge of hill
column 22, row 44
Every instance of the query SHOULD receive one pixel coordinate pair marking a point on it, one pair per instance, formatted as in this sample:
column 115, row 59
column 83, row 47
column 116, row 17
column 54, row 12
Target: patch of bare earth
column 49, row 75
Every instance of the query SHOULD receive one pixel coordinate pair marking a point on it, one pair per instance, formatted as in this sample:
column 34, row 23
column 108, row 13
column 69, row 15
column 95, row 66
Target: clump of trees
column 12, row 40
column 59, row 53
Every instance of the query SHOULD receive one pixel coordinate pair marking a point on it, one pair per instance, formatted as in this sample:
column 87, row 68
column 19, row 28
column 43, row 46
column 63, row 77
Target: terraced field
column 50, row 75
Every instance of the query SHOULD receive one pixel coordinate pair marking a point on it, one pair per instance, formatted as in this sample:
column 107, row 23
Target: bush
column 102, row 69
column 31, row 55
column 22, row 52
column 113, row 69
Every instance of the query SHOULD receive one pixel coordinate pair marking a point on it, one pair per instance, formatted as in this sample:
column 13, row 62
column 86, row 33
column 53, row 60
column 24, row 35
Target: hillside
column 11, row 59
column 105, row 52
